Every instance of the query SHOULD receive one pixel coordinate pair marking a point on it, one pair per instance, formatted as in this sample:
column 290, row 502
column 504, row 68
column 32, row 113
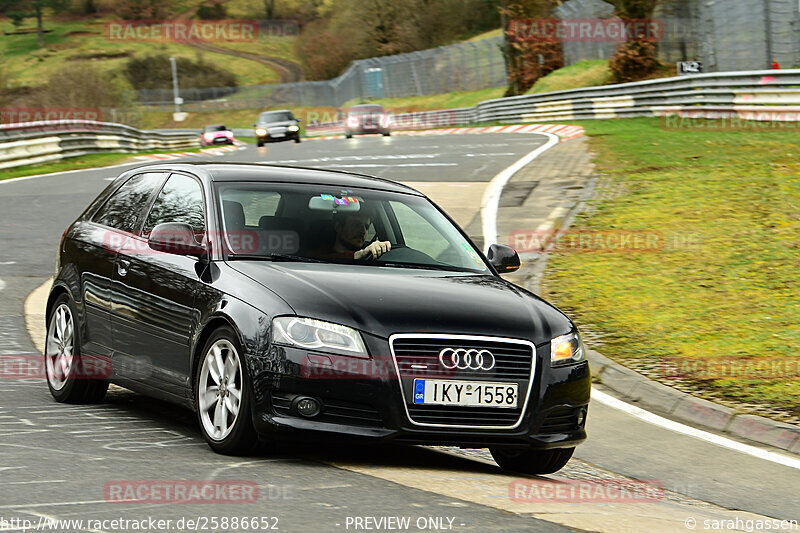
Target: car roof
column 222, row 172
column 276, row 111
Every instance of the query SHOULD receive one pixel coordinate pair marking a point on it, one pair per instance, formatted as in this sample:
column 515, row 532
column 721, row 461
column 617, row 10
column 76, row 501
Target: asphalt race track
column 57, row 460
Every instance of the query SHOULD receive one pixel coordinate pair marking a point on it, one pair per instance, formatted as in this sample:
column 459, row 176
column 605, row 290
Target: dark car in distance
column 367, row 118
column 227, row 288
column 276, row 126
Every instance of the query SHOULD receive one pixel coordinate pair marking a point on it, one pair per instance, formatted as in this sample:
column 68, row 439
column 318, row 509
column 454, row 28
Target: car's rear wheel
column 527, row 461
column 348, row 135
column 70, row 378
column 223, row 396
column 387, row 133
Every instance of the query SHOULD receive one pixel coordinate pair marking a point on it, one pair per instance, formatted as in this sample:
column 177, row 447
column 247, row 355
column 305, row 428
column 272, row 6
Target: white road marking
column 8, row 262
column 491, row 197
column 647, row 416
column 2, row 284
column 489, row 207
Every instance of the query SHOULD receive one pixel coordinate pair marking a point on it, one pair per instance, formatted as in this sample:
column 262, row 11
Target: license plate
column 278, row 134
column 465, row 393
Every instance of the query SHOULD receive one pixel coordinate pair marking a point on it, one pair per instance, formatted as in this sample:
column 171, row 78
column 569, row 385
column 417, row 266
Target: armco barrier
column 39, row 142
column 774, row 93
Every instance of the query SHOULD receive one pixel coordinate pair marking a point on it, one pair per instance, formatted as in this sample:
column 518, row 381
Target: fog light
column 307, row 407
column 581, row 417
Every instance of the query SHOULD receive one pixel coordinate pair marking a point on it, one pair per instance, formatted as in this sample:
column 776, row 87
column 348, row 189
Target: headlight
column 312, row 334
column 567, row 349
column 293, row 128
column 261, row 132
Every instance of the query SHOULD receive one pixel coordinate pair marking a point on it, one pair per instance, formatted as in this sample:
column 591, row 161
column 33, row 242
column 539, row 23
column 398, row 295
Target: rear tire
column 348, row 135
column 536, row 462
column 63, row 363
column 223, row 395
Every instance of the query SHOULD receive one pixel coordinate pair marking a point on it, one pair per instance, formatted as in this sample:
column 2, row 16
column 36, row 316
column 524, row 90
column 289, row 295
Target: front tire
column 63, row 364
column 536, row 462
column 223, row 396
column 260, row 143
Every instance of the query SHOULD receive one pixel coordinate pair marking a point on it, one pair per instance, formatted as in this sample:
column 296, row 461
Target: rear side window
column 126, row 207
column 181, row 200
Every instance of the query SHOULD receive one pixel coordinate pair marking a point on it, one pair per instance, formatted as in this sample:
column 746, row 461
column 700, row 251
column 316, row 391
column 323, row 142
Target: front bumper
column 361, row 399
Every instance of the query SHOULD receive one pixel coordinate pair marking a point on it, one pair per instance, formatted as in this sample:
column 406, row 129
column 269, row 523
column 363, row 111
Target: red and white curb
column 218, row 150
column 564, row 132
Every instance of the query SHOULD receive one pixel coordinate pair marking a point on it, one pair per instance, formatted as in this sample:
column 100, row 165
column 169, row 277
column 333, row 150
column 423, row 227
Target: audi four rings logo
column 464, row 359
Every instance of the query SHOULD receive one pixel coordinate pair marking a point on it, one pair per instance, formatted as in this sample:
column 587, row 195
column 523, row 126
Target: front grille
column 561, row 419
column 333, row 411
column 512, row 360
column 418, row 357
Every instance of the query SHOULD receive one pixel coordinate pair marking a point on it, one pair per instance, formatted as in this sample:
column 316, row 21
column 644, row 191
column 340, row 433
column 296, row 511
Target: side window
column 125, row 208
column 181, row 200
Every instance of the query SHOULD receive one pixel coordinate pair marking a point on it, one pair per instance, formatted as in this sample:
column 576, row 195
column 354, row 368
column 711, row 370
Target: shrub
column 214, row 11
column 155, row 72
column 634, row 60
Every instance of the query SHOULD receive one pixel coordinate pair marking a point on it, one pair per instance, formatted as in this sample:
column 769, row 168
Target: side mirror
column 503, row 258
column 175, row 238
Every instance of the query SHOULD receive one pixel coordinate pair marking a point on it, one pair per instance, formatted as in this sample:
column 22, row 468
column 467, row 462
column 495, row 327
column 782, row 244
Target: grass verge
column 719, row 302
column 80, row 162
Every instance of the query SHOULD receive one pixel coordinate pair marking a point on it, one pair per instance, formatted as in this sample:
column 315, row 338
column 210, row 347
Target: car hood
column 387, row 300
column 223, row 133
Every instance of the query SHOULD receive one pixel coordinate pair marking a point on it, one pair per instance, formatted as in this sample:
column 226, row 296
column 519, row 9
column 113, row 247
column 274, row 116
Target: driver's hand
column 375, row 249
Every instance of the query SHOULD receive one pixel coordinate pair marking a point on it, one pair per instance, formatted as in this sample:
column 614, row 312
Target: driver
column 351, row 233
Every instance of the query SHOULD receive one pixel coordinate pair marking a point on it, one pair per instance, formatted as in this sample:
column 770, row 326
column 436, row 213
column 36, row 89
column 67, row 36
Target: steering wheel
column 370, row 257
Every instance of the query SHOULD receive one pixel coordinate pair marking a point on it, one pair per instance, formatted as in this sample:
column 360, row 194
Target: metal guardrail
column 772, row 95
column 39, row 142
column 749, row 95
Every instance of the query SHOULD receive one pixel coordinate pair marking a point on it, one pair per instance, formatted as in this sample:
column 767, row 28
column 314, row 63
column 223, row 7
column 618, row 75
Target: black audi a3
column 283, row 303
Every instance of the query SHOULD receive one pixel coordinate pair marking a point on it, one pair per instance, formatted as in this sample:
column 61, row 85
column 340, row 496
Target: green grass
column 27, row 64
column 582, row 74
column 76, row 163
column 434, row 101
column 727, row 282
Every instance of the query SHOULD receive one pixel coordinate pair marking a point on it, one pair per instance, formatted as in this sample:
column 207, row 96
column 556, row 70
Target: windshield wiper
column 273, row 257
column 421, row 266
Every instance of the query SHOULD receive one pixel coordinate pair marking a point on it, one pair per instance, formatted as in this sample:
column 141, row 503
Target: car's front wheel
column 70, row 377
column 223, row 396
column 536, row 462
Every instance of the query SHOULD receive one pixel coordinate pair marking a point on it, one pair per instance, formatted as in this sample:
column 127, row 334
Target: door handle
column 122, row 267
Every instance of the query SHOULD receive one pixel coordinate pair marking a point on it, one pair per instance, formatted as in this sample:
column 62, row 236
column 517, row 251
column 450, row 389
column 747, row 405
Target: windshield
column 333, row 225
column 275, row 116
column 215, row 128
